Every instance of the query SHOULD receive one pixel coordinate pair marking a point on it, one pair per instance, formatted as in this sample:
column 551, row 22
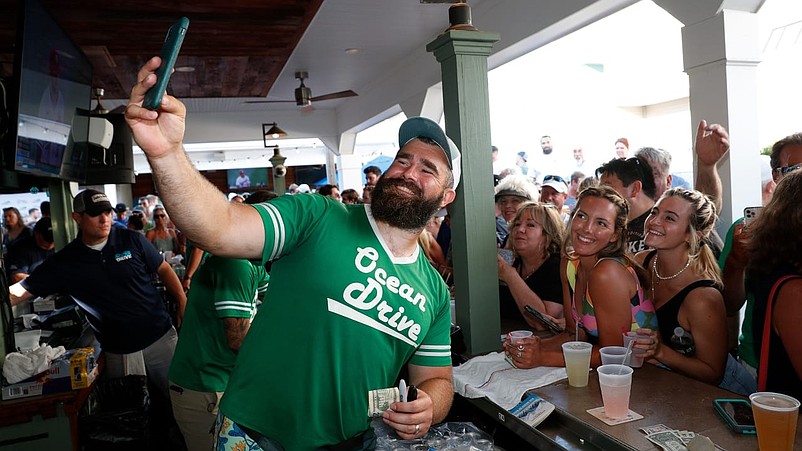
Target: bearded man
column 323, row 339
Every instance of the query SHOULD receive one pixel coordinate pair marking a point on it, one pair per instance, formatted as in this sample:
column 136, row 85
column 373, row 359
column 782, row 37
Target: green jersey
column 221, row 288
column 341, row 317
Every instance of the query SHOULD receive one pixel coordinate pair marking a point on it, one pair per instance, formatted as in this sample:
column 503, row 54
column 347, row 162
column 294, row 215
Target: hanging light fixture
column 271, row 131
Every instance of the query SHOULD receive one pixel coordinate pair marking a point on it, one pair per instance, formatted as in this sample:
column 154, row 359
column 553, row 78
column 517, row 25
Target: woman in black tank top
column 685, row 287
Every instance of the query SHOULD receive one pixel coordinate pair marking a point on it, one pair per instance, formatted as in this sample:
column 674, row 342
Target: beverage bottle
column 682, row 341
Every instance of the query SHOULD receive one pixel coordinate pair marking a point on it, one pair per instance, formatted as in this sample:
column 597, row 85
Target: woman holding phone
column 532, row 279
column 602, row 286
column 775, row 250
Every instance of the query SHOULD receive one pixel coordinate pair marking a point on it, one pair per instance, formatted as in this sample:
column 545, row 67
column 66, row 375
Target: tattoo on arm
column 236, row 328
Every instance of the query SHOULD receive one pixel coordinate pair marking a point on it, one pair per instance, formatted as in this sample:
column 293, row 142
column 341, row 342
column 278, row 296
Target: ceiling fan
column 303, row 95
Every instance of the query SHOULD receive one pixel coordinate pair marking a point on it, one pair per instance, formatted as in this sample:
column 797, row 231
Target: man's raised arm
column 712, row 143
column 199, row 209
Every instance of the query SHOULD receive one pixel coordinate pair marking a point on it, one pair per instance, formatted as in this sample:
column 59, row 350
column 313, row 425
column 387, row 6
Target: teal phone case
column 169, row 54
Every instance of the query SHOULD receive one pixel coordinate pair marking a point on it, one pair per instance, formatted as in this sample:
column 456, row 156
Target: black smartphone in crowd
column 169, row 53
column 554, row 327
column 737, row 413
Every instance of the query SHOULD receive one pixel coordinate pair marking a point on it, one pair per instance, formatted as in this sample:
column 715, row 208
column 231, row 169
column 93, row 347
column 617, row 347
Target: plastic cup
column 615, row 382
column 518, row 335
column 577, row 362
column 775, row 419
column 27, row 340
column 614, row 355
column 636, row 359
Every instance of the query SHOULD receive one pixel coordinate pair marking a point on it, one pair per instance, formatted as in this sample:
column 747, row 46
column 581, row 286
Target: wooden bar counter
column 661, row 396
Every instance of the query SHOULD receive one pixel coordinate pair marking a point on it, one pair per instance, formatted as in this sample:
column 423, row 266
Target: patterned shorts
column 229, row 436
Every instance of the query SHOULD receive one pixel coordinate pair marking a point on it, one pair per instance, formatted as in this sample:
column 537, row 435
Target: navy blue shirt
column 25, row 256
column 114, row 286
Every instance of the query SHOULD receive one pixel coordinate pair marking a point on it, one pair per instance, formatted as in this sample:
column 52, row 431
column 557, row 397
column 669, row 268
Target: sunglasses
column 553, row 177
column 785, row 170
column 159, row 216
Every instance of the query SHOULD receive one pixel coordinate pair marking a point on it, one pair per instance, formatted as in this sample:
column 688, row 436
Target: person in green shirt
column 327, row 334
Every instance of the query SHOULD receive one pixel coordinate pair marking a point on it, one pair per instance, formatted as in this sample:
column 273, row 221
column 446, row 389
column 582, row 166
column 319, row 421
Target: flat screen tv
column 54, row 79
column 247, row 179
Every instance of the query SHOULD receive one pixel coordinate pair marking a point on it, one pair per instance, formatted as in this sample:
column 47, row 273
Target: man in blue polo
column 109, row 272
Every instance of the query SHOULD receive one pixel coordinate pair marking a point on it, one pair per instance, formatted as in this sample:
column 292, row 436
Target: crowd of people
column 599, row 250
column 630, row 235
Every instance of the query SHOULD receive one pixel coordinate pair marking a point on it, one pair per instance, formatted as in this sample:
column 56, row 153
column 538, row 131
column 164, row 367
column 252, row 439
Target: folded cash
column 655, row 428
column 381, row 399
column 667, row 440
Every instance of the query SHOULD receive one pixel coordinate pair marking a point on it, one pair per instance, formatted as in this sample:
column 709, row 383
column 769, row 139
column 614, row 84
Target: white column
column 351, row 172
column 721, row 54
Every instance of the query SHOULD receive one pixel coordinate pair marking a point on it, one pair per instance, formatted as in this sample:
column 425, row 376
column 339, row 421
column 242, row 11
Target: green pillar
column 463, row 59
column 64, row 228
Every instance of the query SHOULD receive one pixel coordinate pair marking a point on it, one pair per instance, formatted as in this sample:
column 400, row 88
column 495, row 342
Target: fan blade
column 334, row 95
column 269, row 101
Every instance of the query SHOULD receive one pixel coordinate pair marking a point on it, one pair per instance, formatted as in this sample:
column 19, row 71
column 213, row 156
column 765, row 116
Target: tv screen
column 245, row 179
column 55, row 80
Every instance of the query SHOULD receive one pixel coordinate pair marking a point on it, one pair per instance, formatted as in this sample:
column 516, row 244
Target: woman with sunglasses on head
column 533, row 277
column 686, row 292
column 161, row 235
column 602, row 286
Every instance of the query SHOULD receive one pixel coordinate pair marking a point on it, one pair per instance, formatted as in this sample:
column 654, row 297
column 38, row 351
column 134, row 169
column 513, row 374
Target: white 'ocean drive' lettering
column 368, row 296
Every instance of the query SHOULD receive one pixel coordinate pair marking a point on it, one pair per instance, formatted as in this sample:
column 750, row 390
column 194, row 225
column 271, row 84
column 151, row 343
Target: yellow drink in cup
column 775, row 420
column 577, row 362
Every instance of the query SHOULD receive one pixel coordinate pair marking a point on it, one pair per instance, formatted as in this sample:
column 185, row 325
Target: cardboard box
column 76, row 368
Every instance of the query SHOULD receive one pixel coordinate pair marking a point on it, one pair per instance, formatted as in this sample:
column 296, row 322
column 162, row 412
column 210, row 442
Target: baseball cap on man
column 423, row 127
column 121, row 207
column 556, row 182
column 91, row 202
column 44, row 227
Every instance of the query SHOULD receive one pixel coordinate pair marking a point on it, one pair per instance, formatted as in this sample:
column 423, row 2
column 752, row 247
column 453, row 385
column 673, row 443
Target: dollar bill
column 655, row 428
column 668, row 440
column 381, row 399
column 686, row 436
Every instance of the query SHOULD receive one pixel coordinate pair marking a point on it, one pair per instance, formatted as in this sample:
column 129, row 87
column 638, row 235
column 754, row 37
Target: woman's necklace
column 526, row 275
column 673, row 276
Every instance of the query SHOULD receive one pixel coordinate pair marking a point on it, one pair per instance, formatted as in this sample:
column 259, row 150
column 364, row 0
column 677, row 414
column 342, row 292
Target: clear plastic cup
column 611, row 355
column 615, row 382
column 518, row 335
column 636, row 359
column 776, row 415
column 577, row 362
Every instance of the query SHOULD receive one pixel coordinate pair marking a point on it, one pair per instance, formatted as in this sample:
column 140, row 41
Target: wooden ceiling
column 237, row 47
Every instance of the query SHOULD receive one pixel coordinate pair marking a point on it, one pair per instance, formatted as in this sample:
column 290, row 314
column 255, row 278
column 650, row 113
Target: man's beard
column 400, row 210
column 546, row 150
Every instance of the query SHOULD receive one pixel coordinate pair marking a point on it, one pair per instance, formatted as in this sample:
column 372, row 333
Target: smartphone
column 506, row 254
column 554, row 327
column 750, row 214
column 737, row 413
column 169, row 53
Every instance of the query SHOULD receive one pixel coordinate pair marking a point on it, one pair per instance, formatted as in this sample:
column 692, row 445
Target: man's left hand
column 411, row 419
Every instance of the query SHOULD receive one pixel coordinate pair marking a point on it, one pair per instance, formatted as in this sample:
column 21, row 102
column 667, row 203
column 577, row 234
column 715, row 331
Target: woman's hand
column 525, row 353
column 505, row 271
column 651, row 345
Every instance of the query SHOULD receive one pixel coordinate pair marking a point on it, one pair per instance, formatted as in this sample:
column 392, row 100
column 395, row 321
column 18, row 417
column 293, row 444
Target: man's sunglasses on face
column 785, row 170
